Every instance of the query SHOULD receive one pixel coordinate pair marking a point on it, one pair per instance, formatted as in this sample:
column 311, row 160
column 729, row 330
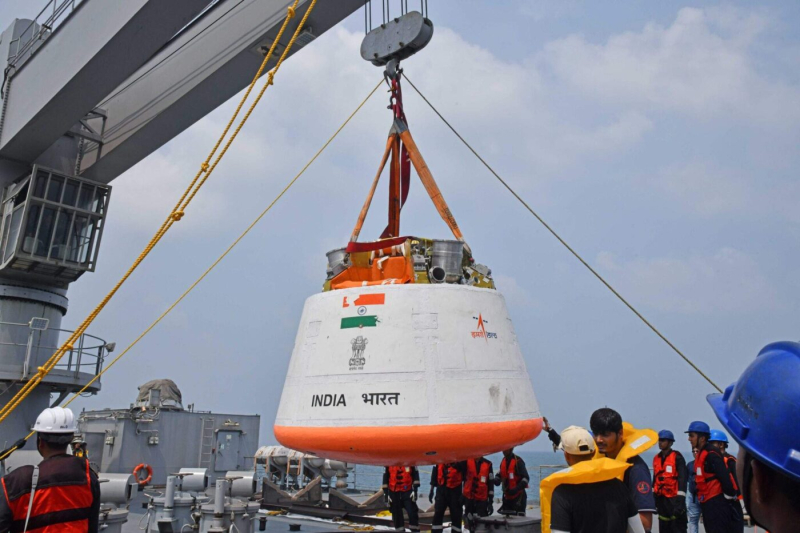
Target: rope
column 215, row 263
column 178, row 212
column 563, row 242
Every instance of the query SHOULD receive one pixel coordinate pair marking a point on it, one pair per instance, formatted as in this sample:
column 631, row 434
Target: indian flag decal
column 363, row 305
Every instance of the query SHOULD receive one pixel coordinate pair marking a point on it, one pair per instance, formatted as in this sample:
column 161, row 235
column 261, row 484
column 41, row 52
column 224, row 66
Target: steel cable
column 563, row 242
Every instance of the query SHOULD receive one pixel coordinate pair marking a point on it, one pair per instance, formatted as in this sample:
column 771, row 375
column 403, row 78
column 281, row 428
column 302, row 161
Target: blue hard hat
column 698, row 427
column 718, row 436
column 762, row 409
column 666, row 434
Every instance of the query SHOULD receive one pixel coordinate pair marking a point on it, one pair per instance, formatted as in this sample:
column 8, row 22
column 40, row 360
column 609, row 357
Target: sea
column 540, row 465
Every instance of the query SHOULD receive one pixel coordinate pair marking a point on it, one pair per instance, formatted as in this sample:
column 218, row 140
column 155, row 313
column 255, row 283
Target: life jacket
column 731, row 459
column 665, row 475
column 508, row 474
column 708, row 486
column 449, row 476
column 635, row 441
column 476, row 487
column 62, row 501
column 593, row 471
column 400, row 478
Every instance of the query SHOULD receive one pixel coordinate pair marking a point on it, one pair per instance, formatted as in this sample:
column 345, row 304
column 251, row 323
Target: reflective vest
column 665, row 475
column 400, row 478
column 62, row 501
column 708, row 486
column 476, row 487
column 508, row 474
column 731, row 459
column 449, row 476
column 593, row 471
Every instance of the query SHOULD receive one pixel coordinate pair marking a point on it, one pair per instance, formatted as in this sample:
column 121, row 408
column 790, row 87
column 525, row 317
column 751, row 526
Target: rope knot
column 177, row 215
column 271, row 78
column 68, row 347
column 290, row 12
column 40, row 371
column 204, row 166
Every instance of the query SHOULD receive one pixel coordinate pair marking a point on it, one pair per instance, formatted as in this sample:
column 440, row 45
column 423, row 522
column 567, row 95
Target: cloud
column 707, row 188
column 711, row 189
column 728, row 281
column 147, row 193
column 699, row 65
column 514, row 293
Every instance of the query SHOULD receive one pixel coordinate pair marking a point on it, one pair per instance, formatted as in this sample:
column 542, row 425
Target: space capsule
column 423, row 369
column 408, row 356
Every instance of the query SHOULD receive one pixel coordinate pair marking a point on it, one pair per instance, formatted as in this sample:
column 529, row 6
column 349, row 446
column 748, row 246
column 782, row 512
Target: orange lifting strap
column 393, row 147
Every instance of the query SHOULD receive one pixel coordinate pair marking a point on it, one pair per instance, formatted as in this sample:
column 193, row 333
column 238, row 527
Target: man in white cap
column 59, row 494
column 581, row 503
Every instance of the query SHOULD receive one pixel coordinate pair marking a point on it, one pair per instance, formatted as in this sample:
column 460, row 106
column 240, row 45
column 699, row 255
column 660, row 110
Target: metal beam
column 195, row 73
column 89, row 54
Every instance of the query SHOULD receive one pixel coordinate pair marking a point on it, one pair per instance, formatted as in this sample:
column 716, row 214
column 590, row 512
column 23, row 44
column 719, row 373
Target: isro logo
column 480, row 332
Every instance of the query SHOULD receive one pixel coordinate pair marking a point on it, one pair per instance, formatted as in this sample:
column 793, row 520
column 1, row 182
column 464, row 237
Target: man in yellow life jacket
column 513, row 476
column 589, row 496
column 618, row 440
column 669, row 485
column 447, row 480
column 478, row 491
column 59, row 494
column 400, row 489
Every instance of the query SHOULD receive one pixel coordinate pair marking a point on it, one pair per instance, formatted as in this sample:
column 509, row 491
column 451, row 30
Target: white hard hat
column 56, row 420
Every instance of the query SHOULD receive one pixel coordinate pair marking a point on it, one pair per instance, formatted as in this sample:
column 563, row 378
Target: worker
column 715, row 491
column 606, row 426
column 447, row 482
column 513, row 476
column 61, row 493
column 692, row 505
column 720, row 440
column 761, row 411
column 400, row 490
column 79, row 447
column 588, row 496
column 669, row 485
column 552, row 434
column 478, row 491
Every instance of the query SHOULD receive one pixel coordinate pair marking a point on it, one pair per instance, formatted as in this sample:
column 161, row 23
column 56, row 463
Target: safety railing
column 52, row 15
column 86, row 356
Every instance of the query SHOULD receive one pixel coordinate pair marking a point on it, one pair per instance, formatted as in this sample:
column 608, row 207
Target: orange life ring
column 139, row 468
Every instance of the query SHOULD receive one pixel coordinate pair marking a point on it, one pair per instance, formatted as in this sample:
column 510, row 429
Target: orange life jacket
column 508, row 474
column 400, row 478
column 62, row 501
column 476, row 487
column 665, row 475
column 449, row 476
column 708, row 486
column 729, row 458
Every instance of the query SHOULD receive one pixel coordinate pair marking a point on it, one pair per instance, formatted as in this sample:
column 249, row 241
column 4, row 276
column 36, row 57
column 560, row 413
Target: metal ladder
column 206, row 442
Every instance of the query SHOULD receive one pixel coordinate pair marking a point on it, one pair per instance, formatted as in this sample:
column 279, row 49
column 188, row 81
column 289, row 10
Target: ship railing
column 52, row 15
column 86, row 356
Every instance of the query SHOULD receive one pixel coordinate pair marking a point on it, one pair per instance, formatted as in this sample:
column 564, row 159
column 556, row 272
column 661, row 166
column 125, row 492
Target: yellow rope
column 177, row 213
column 219, row 259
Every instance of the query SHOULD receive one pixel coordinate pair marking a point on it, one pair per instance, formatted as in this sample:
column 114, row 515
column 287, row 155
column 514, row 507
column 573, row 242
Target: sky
column 659, row 139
